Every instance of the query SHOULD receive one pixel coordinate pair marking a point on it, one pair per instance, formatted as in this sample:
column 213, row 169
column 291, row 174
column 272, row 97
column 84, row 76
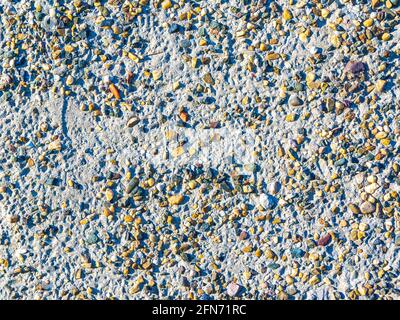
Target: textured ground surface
column 199, row 149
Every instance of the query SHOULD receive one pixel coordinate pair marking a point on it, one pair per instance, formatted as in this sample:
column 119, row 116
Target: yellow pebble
column 157, row 74
column 263, row 47
column 290, row 117
column 272, row 56
column 386, row 37
column 150, row 182
column 247, row 249
column 335, row 40
column 68, row 48
column 70, row 80
column 128, row 219
column 314, row 280
column 202, row 42
column 303, row 37
column 192, row 184
column 175, row 199
column 385, row 142
column 287, row 15
column 166, row 4
column 367, row 23
column 325, row 13
column 381, row 135
column 109, row 194
column 176, row 85
column 133, row 57
column 380, row 85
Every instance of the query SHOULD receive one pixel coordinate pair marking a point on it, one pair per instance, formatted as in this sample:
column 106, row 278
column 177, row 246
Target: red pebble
column 324, row 240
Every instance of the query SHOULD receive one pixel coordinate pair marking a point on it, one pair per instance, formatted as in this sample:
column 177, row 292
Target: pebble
column 371, row 188
column 297, row 253
column 114, row 91
column 269, row 254
column 273, row 187
column 208, row 79
column 367, row 207
column 109, row 195
column 380, row 85
column 323, row 241
column 173, row 28
column 92, row 238
column 354, row 67
column 166, row 4
column 295, row 101
column 243, row 235
column 69, row 81
column 132, row 122
column 175, row 199
column 287, row 15
column 354, row 208
column 266, row 201
column 232, row 289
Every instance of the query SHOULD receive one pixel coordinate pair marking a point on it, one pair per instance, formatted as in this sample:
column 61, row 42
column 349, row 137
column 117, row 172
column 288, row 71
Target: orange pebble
column 114, row 91
column 184, row 116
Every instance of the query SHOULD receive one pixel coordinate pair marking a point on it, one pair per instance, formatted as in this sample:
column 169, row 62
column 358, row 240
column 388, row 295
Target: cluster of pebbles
column 88, row 87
